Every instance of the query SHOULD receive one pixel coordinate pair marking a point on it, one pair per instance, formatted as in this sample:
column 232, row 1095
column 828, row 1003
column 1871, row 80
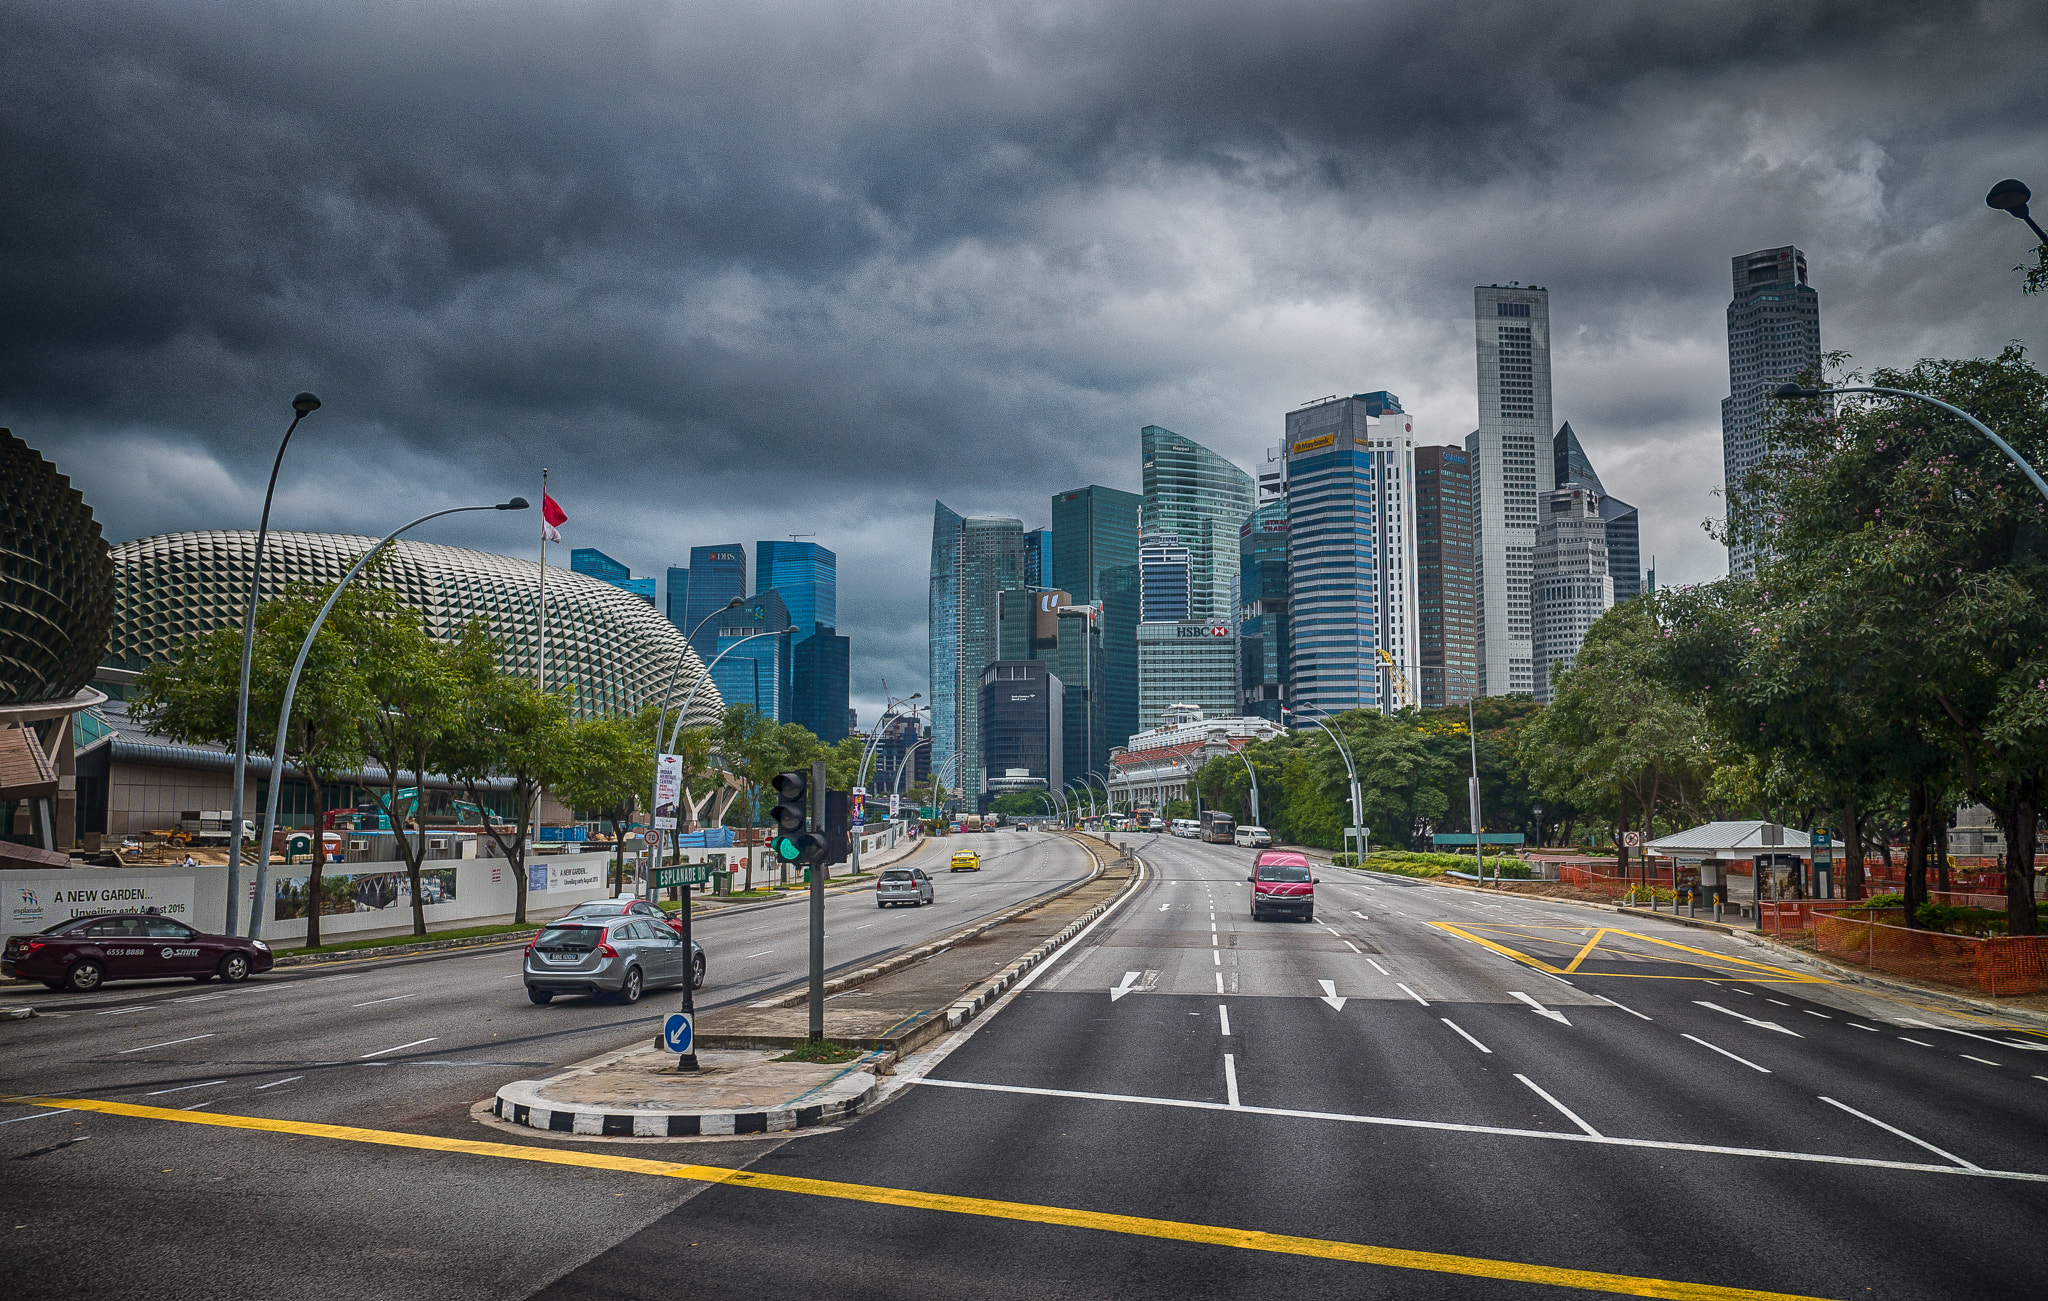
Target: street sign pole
column 815, row 810
column 687, row 1060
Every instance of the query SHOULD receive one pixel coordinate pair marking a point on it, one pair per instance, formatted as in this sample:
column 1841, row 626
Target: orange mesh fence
column 2000, row 965
column 1585, row 878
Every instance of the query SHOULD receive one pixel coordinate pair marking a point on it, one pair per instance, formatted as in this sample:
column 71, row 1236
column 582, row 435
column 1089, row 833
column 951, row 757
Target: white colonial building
column 1160, row 764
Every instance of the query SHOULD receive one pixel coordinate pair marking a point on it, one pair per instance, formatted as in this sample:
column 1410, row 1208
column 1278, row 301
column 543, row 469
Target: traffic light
column 838, row 822
column 793, row 842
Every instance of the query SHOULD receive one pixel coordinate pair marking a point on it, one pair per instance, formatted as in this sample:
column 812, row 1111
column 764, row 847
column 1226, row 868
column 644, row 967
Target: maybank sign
column 1314, row 444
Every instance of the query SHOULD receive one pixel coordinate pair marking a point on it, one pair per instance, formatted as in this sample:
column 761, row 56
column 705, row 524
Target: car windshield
column 1283, row 872
column 576, row 939
column 597, row 909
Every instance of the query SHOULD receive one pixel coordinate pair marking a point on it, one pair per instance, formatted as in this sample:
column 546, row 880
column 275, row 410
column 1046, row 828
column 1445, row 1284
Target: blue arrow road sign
column 677, row 1033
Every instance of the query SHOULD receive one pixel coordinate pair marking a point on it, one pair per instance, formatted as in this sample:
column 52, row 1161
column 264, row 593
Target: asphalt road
column 1667, row 1107
column 102, row 1204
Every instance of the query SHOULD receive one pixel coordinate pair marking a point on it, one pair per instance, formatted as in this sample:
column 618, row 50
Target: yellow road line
column 1727, row 964
column 1026, row 1212
column 1580, row 956
column 1502, row 949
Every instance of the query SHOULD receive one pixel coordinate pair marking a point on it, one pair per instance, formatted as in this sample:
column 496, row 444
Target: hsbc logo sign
column 1202, row 630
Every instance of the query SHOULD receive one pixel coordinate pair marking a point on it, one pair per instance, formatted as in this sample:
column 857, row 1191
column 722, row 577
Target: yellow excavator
column 1402, row 698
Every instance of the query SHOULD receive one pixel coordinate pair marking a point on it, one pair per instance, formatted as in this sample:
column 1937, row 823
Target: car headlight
column 261, row 945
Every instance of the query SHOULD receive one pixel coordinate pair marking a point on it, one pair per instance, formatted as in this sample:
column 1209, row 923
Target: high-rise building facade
column 1038, row 564
column 1070, row 645
column 974, row 560
column 1351, row 557
column 1095, row 557
column 806, row 576
column 1570, row 586
column 903, row 755
column 1773, row 337
column 1191, row 663
column 1624, row 525
column 717, row 574
column 1447, row 632
column 1262, row 647
column 1023, row 710
column 821, row 682
column 676, row 598
column 591, row 561
column 1512, row 336
column 1200, row 498
column 755, row 670
column 1164, row 594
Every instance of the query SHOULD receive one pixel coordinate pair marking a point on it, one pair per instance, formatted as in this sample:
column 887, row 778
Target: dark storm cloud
column 956, row 251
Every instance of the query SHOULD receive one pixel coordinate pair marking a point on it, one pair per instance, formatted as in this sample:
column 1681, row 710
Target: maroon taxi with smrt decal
column 1282, row 885
column 84, row 953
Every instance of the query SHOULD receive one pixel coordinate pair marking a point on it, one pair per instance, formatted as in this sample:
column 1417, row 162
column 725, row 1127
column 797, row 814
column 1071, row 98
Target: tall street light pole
column 867, row 756
column 1343, row 753
column 1791, row 392
column 305, row 404
column 284, row 715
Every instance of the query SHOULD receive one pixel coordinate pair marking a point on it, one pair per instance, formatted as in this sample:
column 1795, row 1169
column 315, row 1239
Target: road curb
column 966, row 1009
column 16, row 1013
column 520, row 1103
column 402, row 950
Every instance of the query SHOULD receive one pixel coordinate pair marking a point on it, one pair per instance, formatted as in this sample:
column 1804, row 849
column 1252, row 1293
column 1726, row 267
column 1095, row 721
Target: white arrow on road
column 1762, row 1025
column 1330, row 994
column 1540, row 1009
column 1130, row 979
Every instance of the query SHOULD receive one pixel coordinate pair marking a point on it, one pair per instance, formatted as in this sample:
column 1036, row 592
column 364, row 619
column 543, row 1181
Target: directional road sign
column 682, row 874
column 677, row 1033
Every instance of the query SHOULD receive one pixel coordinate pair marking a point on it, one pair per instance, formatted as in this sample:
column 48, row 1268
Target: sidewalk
column 889, row 1010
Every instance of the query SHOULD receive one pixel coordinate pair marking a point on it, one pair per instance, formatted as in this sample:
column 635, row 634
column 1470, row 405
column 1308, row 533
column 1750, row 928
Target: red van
column 1282, row 886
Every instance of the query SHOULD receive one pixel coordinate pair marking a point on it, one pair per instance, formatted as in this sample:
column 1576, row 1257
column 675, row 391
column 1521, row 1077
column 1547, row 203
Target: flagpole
column 542, row 658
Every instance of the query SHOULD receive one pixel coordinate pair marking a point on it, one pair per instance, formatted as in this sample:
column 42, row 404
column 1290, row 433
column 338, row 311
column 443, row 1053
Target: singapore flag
column 552, row 517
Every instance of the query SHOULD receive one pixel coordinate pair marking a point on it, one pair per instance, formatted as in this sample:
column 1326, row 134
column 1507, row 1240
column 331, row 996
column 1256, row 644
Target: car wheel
column 629, row 992
column 85, row 977
column 234, row 967
column 540, row 996
column 881, row 903
column 697, row 973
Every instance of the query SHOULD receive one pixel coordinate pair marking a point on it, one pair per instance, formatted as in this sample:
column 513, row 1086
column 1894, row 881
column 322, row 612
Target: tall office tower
column 1773, row 336
column 1570, row 587
column 806, row 576
column 1624, row 524
column 821, row 667
column 1445, row 617
column 1022, row 711
column 1038, row 558
column 902, row 757
column 1164, row 586
column 1199, row 498
column 591, row 561
column 974, row 559
column 1070, row 645
column 761, row 672
column 1351, row 558
column 1512, row 329
column 1189, row 663
column 1095, row 557
column 1262, row 658
column 717, row 574
column 676, row 600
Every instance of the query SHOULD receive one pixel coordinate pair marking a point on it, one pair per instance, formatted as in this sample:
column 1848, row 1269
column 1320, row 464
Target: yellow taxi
column 966, row 860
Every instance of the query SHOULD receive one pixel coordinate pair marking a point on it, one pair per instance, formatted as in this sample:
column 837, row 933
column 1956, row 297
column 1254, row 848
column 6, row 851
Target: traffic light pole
column 815, row 823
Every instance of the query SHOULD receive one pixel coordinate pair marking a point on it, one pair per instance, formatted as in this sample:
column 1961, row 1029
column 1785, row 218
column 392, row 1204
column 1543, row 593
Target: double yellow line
column 1136, row 1226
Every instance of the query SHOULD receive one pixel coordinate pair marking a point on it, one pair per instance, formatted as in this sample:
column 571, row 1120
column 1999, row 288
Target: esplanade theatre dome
column 612, row 645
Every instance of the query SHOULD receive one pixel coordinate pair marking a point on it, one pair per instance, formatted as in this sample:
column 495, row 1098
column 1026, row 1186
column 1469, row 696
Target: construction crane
column 1402, row 700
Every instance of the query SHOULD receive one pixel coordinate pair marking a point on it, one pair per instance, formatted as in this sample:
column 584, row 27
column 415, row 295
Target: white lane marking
column 393, row 999
column 1330, row 994
column 1359, row 915
column 1334, row 931
column 1118, row 991
column 1468, row 1038
column 762, row 953
column 1539, row 1008
column 1230, row 1079
column 1219, row 982
column 414, row 1044
column 2002, row 1043
column 481, row 956
column 200, row 998
column 1916, row 1041
column 1750, row 992
column 1163, row 907
column 122, row 1011
column 1966, row 1057
column 1377, row 967
column 1217, row 954
column 1411, row 993
column 1353, row 947
column 1223, row 1013
column 1568, row 1113
column 1950, row 1156
column 514, row 976
column 1779, row 1001
column 165, row 1044
column 1213, row 938
column 1750, row 1020
column 1853, row 1026
column 1822, row 1015
column 158, row 1093
column 1725, row 1053
column 40, row 1114
column 274, row 1083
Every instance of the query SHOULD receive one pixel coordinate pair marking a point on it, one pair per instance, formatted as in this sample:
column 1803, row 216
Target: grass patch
column 824, row 1052
column 1407, row 863
column 387, row 941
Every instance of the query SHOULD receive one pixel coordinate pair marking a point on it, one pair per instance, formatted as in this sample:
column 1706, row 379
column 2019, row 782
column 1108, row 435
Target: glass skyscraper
column 1512, row 336
column 1164, row 594
column 591, row 561
column 717, row 574
column 974, row 559
column 1031, row 628
column 806, row 576
column 760, row 672
column 1624, row 526
column 1444, row 612
column 1773, row 337
column 676, row 600
column 1095, row 557
column 1201, row 499
column 1038, row 558
column 1262, row 649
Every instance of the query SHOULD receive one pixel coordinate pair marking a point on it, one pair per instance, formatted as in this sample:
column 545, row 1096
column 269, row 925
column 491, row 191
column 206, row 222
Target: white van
column 1253, row 838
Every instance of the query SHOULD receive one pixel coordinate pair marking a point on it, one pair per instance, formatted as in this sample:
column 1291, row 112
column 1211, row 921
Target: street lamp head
column 517, row 503
column 1789, row 392
column 2009, row 196
column 306, row 404
column 736, row 603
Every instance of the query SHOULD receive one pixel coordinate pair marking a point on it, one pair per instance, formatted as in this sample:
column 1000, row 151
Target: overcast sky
column 740, row 271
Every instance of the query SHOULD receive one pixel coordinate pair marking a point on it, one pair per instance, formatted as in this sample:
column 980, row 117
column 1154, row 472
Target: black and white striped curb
column 976, row 1003
column 841, row 1100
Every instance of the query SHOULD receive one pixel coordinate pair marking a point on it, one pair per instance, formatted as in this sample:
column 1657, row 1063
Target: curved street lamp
column 1344, row 753
column 867, row 756
column 668, row 692
column 2011, row 196
column 305, row 404
column 284, row 715
column 1793, row 392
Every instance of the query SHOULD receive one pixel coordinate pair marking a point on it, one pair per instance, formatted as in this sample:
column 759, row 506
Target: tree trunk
column 2019, row 821
column 515, row 853
column 319, row 857
column 1852, row 848
column 1918, row 802
column 410, row 854
column 1937, row 838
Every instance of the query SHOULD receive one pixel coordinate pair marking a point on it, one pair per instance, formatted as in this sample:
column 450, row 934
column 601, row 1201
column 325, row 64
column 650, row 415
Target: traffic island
column 639, row 1093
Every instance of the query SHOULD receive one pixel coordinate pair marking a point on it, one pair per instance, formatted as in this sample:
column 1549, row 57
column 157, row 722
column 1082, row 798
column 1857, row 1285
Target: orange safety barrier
column 1999, row 965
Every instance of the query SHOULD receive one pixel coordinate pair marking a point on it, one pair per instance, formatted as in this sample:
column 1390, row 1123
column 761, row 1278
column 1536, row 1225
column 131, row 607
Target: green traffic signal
column 785, row 849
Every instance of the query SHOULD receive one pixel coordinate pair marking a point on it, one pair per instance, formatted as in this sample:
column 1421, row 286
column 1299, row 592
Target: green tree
column 192, row 698
column 415, row 701
column 1017, row 805
column 607, row 768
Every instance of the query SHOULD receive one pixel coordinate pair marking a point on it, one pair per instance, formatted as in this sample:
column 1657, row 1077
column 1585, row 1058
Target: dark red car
column 86, row 952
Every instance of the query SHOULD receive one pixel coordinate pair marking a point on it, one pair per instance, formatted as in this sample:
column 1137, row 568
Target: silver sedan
column 902, row 885
column 623, row 957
